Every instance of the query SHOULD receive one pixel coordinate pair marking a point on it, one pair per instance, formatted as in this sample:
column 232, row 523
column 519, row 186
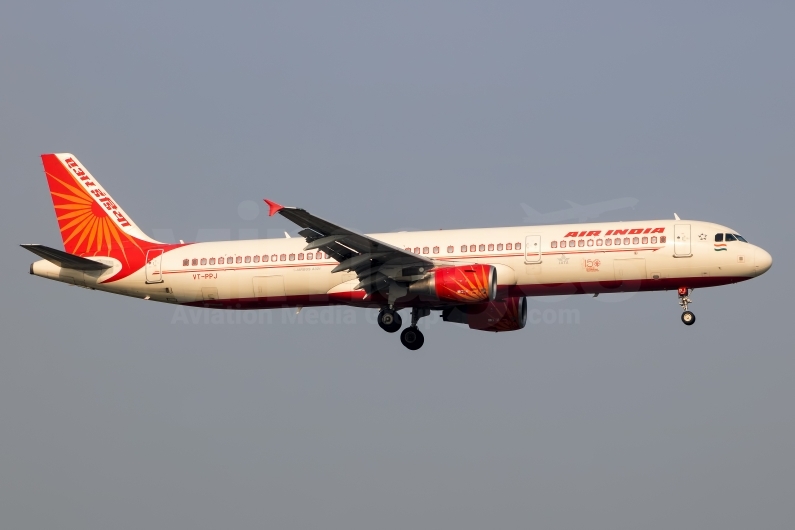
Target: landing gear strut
column 412, row 338
column 688, row 318
column 389, row 320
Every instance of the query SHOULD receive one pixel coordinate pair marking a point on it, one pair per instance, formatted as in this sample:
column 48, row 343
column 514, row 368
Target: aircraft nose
column 762, row 261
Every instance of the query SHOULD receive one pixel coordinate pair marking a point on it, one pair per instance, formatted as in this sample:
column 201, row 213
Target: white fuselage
column 269, row 273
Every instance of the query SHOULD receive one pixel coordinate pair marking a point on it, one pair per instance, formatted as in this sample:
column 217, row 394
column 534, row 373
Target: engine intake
column 465, row 284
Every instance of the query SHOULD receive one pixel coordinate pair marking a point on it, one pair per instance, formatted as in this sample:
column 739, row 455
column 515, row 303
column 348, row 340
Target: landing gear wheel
column 687, row 316
column 389, row 320
column 412, row 338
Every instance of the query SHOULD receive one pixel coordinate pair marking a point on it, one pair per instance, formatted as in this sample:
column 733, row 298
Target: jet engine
column 464, row 284
column 509, row 314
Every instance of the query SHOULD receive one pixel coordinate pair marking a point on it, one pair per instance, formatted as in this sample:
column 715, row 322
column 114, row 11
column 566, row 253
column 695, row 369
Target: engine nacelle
column 500, row 315
column 464, row 284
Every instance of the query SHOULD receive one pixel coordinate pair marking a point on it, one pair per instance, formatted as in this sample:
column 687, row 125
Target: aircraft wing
column 375, row 262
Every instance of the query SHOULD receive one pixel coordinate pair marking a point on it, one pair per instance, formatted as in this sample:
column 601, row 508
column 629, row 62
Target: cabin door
column 154, row 272
column 682, row 241
column 532, row 249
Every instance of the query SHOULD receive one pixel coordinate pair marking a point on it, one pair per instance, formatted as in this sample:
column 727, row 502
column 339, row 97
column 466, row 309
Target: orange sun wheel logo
column 85, row 225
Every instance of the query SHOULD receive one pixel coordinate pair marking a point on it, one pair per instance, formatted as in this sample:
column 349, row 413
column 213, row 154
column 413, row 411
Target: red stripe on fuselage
column 356, row 298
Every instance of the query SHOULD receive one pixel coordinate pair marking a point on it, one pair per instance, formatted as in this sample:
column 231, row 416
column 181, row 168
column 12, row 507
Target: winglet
column 275, row 207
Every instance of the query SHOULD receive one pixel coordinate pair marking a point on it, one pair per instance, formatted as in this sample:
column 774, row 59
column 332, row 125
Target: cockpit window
column 718, row 238
column 740, row 238
column 730, row 237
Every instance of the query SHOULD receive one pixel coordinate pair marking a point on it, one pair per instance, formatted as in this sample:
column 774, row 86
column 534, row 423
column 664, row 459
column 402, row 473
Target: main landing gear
column 389, row 320
column 411, row 337
column 688, row 318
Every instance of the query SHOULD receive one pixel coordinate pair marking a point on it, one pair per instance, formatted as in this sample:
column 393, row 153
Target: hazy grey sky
column 114, row 413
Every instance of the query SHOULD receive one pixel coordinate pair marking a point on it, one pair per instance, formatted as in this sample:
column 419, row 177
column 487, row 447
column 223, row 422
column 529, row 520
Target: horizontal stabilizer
column 66, row 260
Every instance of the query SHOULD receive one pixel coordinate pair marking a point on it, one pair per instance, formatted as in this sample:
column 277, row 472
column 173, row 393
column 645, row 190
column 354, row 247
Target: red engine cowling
column 509, row 314
column 465, row 284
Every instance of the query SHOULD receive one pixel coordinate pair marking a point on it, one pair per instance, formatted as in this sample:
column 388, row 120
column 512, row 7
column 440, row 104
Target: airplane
column 479, row 277
column 581, row 212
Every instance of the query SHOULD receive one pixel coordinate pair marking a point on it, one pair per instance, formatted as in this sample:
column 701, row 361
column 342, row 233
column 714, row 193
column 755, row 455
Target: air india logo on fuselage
column 620, row 232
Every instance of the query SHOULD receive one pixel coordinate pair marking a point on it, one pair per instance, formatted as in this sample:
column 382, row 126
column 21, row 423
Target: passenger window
column 482, row 248
column 204, row 261
column 273, row 257
column 617, row 241
column 581, row 243
column 450, row 249
column 626, row 241
column 635, row 240
column 645, row 240
column 408, row 249
column 590, row 242
column 283, row 257
column 473, row 248
column 435, row 250
column 318, row 255
column 292, row 257
column 598, row 242
column 416, row 250
column 309, row 255
column 425, row 250
column 212, row 261
column 256, row 259
column 662, row 239
column 195, row 262
column 185, row 262
column 554, row 244
column 572, row 243
column 517, row 246
column 730, row 237
column 719, row 238
column 239, row 259
column 608, row 242
column 508, row 246
column 325, row 255
column 491, row 247
column 499, row 246
column 463, row 248
column 653, row 240
column 300, row 256
column 248, row 259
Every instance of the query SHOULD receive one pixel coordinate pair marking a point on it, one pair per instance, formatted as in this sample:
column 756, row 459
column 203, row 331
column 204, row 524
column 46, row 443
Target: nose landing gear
column 688, row 318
